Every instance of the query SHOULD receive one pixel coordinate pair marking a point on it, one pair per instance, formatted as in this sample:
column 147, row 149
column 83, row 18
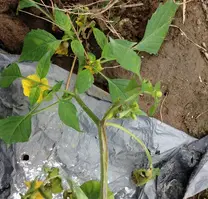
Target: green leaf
column 117, row 89
column 37, row 43
column 157, row 86
column 132, row 88
column 47, row 95
column 147, row 87
column 62, row 20
column 107, row 52
column 26, row 4
column 126, row 57
column 92, row 190
column 15, row 129
column 57, row 86
column 34, row 95
column 9, row 74
column 45, row 191
column 157, row 28
column 91, row 57
column 55, row 182
column 125, row 43
column 100, row 37
column 44, row 65
column 84, row 81
column 52, row 172
column 78, row 50
column 77, row 192
column 132, row 85
column 68, row 114
column 153, row 108
column 56, row 185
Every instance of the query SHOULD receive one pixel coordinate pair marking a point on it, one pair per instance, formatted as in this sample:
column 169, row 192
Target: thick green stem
column 87, row 110
column 136, row 138
column 103, row 160
column 103, row 147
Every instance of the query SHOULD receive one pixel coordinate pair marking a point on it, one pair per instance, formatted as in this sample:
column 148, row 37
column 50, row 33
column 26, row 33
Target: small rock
column 12, row 33
column 204, row 45
column 199, row 22
column 206, row 55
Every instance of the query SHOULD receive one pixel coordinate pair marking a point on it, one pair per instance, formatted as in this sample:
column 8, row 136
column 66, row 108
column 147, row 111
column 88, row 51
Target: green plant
column 40, row 45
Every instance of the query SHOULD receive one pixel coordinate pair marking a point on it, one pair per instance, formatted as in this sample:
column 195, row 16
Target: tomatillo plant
column 40, row 46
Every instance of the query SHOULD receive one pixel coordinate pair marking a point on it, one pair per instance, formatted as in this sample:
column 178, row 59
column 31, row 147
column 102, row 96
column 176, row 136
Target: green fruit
column 158, row 94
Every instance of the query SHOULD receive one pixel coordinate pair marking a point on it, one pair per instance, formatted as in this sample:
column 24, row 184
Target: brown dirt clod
column 12, row 33
column 8, row 5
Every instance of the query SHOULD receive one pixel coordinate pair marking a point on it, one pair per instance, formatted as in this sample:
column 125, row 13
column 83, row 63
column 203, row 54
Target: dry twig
column 70, row 74
column 184, row 34
column 201, row 114
column 184, row 11
column 161, row 107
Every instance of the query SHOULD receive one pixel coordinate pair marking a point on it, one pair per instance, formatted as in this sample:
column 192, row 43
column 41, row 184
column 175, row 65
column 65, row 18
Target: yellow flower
column 90, row 69
column 62, row 49
column 34, row 80
column 94, row 67
column 36, row 195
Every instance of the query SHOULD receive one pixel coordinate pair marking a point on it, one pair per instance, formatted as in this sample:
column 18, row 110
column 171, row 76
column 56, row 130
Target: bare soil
column 182, row 68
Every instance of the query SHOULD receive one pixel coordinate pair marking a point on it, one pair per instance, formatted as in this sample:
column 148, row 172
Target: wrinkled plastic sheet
column 183, row 159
